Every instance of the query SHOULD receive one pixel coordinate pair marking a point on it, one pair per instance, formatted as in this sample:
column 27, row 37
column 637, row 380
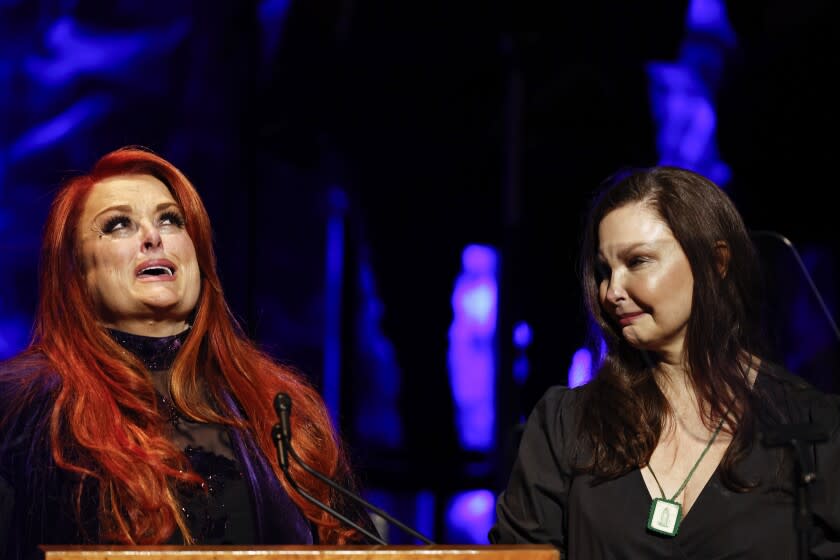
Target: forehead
column 632, row 224
column 127, row 190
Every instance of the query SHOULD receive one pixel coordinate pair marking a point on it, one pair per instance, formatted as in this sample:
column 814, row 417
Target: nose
column 615, row 293
column 151, row 238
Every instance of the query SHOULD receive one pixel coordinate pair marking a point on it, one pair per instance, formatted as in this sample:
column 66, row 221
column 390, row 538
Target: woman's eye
column 171, row 219
column 116, row 223
column 636, row 261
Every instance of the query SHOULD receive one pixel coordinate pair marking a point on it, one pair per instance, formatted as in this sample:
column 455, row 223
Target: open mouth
column 156, row 271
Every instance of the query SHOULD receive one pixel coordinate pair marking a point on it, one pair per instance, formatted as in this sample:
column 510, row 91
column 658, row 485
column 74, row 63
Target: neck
column 673, row 379
column 675, row 384
column 148, row 327
column 156, row 353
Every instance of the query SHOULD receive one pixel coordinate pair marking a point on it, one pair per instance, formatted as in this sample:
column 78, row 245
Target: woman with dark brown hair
column 141, row 413
column 680, row 445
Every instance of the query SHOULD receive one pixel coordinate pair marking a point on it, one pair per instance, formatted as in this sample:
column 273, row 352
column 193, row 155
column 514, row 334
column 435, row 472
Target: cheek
column 185, row 250
column 674, row 288
column 182, row 247
column 110, row 261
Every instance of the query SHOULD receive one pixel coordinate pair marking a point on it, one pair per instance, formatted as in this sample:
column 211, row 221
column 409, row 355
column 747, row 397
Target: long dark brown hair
column 626, row 411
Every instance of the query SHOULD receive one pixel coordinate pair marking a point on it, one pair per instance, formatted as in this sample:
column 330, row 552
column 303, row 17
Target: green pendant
column 664, row 517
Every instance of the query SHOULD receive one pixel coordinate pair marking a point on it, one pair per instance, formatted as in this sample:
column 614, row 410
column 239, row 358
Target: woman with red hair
column 141, row 413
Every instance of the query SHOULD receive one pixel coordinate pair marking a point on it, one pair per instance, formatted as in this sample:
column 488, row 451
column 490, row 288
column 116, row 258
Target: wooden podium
column 396, row 552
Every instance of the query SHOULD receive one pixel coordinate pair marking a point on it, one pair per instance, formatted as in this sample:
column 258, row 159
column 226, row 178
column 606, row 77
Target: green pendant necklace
column 665, row 515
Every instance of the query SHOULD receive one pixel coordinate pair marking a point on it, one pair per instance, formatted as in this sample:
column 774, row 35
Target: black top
column 244, row 502
column 220, row 511
column 545, row 502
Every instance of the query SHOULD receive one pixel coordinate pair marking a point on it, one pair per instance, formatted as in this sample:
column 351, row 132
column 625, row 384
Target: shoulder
column 28, row 386
column 30, row 373
column 555, row 419
column 776, row 377
column 560, row 402
column 796, row 401
column 779, row 383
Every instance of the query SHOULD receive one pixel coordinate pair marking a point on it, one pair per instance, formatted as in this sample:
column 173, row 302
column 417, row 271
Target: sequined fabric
column 156, row 353
column 220, row 511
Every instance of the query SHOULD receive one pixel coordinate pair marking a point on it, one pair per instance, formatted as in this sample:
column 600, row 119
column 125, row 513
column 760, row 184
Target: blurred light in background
column 377, row 420
column 580, row 372
column 683, row 91
column 416, row 510
column 472, row 350
column 333, row 288
column 469, row 517
column 522, row 336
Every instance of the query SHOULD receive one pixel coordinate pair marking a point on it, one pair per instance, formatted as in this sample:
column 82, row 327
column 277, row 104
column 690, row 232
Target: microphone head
column 282, row 404
column 283, row 407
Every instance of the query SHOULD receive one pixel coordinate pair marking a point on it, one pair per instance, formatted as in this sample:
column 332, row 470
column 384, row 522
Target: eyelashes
column 122, row 223
column 116, row 222
column 175, row 218
column 634, row 264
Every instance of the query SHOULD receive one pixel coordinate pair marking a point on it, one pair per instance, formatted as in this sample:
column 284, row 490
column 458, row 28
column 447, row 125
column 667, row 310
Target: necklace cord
column 694, row 468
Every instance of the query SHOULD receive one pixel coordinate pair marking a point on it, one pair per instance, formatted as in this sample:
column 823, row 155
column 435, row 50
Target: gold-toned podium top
column 406, row 552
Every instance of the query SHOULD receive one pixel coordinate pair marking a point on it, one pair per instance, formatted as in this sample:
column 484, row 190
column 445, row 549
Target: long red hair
column 106, row 425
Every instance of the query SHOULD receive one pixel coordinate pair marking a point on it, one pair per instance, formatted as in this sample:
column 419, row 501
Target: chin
column 164, row 310
column 639, row 344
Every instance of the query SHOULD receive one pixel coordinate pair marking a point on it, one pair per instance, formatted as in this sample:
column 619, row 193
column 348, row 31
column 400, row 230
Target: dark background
column 288, row 114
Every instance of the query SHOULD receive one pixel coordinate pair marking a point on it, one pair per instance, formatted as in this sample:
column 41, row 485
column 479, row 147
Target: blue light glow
column 377, row 419
column 415, row 509
column 47, row 134
column 74, row 51
column 682, row 93
column 709, row 14
column 472, row 351
column 424, row 513
column 469, row 517
column 580, row 372
column 14, row 334
column 334, row 285
column 522, row 335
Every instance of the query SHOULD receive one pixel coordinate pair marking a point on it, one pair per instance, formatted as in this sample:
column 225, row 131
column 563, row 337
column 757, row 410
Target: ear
column 722, row 255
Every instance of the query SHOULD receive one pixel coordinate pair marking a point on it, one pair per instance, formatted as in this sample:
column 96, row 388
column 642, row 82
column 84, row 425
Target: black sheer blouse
column 221, row 511
column 242, row 501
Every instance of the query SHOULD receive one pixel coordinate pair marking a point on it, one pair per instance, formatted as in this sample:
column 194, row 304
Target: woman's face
column 645, row 279
column 138, row 261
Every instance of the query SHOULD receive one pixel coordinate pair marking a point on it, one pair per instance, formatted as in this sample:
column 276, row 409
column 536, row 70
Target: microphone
column 798, row 436
column 787, row 243
column 282, row 432
column 282, row 435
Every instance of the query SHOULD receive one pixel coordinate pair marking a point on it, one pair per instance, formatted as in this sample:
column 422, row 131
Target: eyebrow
column 127, row 208
column 630, row 247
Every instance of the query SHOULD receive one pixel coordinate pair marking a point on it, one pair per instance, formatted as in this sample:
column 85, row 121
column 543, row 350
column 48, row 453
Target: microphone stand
column 281, row 433
column 787, row 243
column 798, row 436
column 284, row 465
